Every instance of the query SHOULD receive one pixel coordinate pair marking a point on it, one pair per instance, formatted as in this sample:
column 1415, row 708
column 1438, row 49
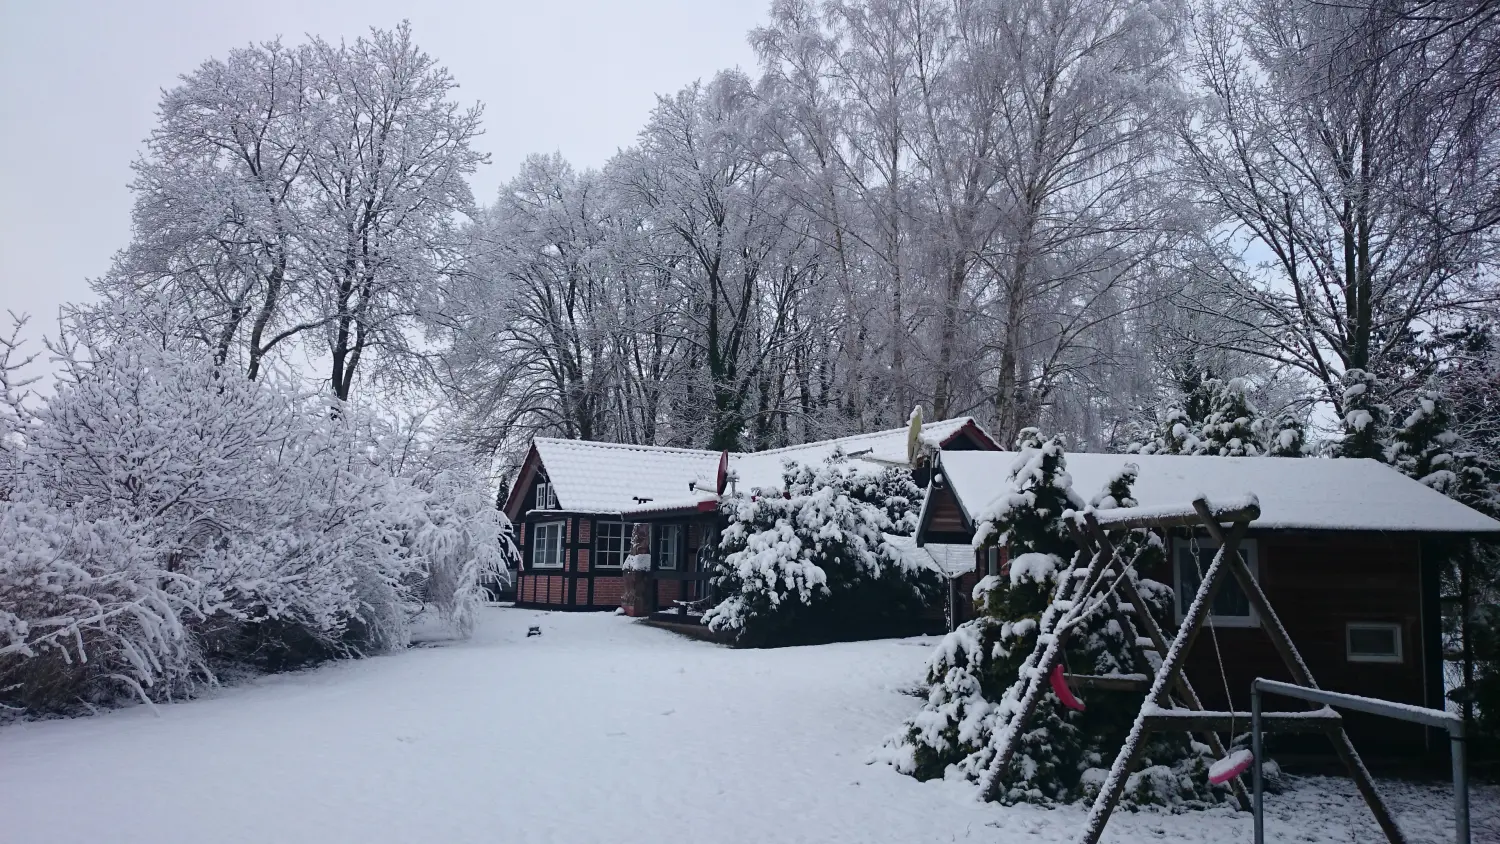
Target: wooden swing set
column 1085, row 589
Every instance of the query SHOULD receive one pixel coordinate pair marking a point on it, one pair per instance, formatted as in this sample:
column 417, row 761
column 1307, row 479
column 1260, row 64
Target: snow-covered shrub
column 182, row 518
column 813, row 564
column 973, row 677
column 463, row 541
column 85, row 615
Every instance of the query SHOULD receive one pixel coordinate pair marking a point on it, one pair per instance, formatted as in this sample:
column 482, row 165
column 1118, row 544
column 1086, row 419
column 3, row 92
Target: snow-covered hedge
column 162, row 519
column 813, row 563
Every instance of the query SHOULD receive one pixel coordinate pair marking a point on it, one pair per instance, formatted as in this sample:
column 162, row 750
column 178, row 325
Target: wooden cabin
column 1347, row 551
column 577, row 504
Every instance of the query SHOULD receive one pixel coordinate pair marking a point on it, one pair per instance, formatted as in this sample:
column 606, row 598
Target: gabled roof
column 1294, row 493
column 762, row 469
column 595, row 477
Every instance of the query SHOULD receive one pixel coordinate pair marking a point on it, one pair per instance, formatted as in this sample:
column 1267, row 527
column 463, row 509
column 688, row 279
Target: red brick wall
column 583, row 558
column 607, row 591
column 668, row 591
column 581, row 592
column 585, row 530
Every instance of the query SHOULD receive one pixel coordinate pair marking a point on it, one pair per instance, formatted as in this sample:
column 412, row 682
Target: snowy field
column 600, row 730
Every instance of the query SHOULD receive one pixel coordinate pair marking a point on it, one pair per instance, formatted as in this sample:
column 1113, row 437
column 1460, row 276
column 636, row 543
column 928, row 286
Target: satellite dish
column 723, row 476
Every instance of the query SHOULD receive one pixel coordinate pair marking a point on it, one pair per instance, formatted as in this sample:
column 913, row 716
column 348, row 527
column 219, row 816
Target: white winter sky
column 79, row 84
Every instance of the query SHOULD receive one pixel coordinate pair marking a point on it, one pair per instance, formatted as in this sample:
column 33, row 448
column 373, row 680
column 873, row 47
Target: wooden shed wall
column 1318, row 583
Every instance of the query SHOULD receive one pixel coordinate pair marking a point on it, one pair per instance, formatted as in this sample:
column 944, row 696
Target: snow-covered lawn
column 601, row 729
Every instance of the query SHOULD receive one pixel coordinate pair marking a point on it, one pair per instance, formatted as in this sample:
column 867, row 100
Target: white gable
column 1295, row 493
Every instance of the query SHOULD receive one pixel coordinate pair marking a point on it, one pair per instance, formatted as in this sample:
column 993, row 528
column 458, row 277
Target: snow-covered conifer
column 813, row 563
column 1230, row 429
column 1364, row 417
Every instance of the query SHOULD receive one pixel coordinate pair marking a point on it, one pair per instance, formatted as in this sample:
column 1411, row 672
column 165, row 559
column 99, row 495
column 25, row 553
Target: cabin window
column 992, row 561
column 546, row 499
column 1231, row 607
column 611, row 543
column 547, row 545
column 668, row 546
column 1373, row 641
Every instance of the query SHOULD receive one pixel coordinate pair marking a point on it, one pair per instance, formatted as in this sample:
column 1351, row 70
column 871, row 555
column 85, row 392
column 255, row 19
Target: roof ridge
column 836, row 440
column 625, row 446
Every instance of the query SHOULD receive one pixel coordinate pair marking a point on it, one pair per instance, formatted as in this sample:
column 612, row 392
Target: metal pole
column 1258, row 800
column 1460, row 787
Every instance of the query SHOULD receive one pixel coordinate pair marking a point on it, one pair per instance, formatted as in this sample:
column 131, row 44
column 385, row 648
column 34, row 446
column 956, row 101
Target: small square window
column 1231, row 606
column 1373, row 642
column 547, row 545
column 611, row 543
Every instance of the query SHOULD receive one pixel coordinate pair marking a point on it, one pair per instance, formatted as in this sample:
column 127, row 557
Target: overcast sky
column 79, row 83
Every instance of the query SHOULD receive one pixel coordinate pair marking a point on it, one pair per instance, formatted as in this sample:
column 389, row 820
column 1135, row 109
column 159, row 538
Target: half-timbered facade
column 1347, row 551
column 578, row 505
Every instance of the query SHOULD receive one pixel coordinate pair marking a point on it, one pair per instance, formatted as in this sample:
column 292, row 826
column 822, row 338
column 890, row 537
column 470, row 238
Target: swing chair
column 1085, row 589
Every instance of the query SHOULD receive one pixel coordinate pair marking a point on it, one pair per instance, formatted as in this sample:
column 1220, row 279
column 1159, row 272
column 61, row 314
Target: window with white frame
column 611, row 543
column 668, row 546
column 547, row 545
column 1190, row 561
column 1371, row 641
column 992, row 561
column 546, row 499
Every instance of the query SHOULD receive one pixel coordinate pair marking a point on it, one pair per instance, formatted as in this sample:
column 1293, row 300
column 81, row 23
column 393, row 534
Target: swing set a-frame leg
column 1096, row 537
column 1282, row 642
column 1166, row 678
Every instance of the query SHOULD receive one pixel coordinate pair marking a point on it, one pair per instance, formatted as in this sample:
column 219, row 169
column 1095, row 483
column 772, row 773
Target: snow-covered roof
column 763, row 468
column 948, row 559
column 1294, row 493
column 595, row 477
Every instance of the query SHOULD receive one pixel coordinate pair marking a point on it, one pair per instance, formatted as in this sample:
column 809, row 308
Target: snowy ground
column 599, row 730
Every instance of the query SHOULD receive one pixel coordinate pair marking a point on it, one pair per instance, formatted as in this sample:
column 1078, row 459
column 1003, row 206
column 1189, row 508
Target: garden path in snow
column 599, row 730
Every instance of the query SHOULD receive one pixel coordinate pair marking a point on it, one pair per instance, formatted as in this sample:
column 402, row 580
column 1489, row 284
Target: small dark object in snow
column 533, row 631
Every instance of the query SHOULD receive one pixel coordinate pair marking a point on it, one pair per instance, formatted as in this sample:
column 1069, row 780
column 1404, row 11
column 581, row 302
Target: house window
column 1373, row 641
column 546, row 499
column 547, row 545
column 992, row 561
column 611, row 544
column 668, row 546
column 1231, row 607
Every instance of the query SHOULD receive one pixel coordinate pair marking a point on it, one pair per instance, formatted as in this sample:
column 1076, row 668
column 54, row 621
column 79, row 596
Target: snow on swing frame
column 1068, row 610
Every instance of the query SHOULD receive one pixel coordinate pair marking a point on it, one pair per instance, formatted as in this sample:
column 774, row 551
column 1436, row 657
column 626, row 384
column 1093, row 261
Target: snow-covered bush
column 170, row 518
column 973, row 677
column 812, row 563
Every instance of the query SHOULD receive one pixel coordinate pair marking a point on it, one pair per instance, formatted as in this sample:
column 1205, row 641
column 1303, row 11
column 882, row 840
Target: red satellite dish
column 723, row 476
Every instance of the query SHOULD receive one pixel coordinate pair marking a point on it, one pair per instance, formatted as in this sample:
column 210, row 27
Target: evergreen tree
column 1364, row 417
column 813, row 564
column 1426, row 448
column 977, row 666
column 1230, row 430
column 1287, row 437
